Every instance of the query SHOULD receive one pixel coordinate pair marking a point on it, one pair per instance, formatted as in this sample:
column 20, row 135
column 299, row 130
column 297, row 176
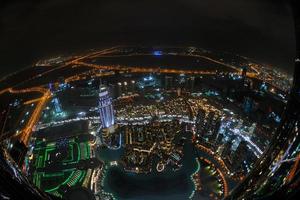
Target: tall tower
column 57, row 105
column 105, row 108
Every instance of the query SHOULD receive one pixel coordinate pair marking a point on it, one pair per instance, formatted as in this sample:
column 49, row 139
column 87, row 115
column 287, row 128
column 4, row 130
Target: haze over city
column 259, row 29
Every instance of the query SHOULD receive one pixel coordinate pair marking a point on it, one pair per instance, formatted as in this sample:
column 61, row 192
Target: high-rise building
column 227, row 149
column 119, row 89
column 248, row 105
column 209, row 125
column 106, row 108
column 200, row 121
column 125, row 87
column 132, row 86
column 215, row 129
column 168, row 82
column 219, row 139
column 178, row 91
column 190, row 83
column 239, row 155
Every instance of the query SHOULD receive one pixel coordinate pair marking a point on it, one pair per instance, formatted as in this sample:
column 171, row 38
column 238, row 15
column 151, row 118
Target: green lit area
column 55, row 167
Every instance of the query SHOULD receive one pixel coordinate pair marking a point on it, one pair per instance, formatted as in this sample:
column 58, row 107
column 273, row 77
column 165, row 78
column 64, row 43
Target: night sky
column 33, row 29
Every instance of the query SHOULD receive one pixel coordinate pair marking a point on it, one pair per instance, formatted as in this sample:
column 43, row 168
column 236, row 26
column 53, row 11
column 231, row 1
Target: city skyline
column 144, row 115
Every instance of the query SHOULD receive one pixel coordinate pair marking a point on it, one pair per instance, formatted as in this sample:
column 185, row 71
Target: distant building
column 178, row 91
column 148, row 82
column 244, row 76
column 113, row 91
column 57, row 105
column 227, row 149
column 157, row 53
column 4, row 118
column 209, row 125
column 190, row 83
column 119, row 90
column 252, row 128
column 132, row 86
column 219, row 139
column 51, row 87
column 263, row 87
column 168, row 82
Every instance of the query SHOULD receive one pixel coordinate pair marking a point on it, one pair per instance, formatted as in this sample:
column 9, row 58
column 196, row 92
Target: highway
column 25, row 134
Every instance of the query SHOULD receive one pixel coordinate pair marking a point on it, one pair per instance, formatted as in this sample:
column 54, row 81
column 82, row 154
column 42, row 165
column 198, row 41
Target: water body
column 155, row 186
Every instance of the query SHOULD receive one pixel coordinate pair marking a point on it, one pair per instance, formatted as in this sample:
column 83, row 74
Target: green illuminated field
column 52, row 172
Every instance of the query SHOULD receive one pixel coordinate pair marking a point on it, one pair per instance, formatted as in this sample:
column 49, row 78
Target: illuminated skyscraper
column 200, row 121
column 248, row 105
column 57, row 105
column 105, row 108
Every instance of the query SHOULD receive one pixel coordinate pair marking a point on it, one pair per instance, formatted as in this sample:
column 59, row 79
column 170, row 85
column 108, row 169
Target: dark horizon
column 259, row 29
